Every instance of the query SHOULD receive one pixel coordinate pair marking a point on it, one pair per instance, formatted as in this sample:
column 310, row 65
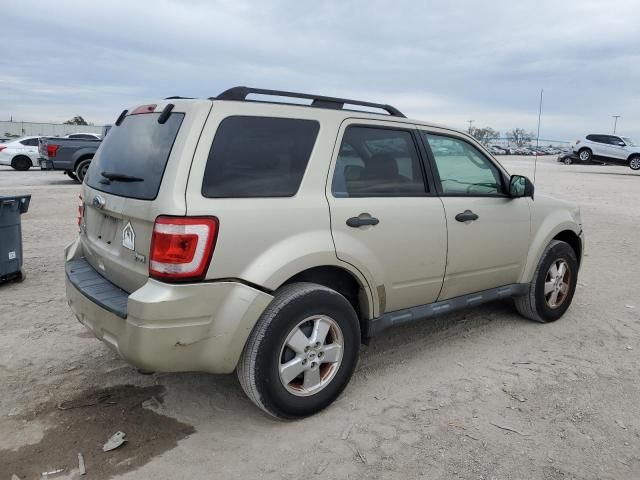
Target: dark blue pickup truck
column 70, row 155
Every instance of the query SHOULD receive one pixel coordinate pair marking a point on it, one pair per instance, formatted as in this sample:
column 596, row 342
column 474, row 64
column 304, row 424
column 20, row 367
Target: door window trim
column 504, row 176
column 427, row 176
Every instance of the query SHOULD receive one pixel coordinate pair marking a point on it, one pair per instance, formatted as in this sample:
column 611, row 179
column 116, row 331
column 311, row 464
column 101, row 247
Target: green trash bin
column 11, row 209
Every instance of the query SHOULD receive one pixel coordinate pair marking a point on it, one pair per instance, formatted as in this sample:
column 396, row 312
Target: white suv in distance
column 608, row 149
column 270, row 239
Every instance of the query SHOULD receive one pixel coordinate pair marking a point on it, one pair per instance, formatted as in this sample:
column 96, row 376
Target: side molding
column 422, row 312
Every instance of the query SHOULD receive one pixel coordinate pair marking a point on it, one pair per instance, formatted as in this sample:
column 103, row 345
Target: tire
column 71, row 175
column 81, row 169
column 585, row 155
column 535, row 305
column 634, row 163
column 568, row 161
column 21, row 163
column 295, row 309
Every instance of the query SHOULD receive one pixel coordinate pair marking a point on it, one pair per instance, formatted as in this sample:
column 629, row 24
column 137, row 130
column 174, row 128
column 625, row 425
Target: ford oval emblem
column 99, row 201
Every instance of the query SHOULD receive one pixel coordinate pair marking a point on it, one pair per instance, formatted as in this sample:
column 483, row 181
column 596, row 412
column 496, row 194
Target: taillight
column 181, row 247
column 577, row 142
column 80, row 211
column 52, row 150
column 2, row 148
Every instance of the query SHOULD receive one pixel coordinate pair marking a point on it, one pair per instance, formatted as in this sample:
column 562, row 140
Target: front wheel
column 302, row 352
column 634, row 163
column 568, row 161
column 553, row 285
column 585, row 155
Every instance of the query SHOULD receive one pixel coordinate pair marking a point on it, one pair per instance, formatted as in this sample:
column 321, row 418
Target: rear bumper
column 171, row 328
column 45, row 164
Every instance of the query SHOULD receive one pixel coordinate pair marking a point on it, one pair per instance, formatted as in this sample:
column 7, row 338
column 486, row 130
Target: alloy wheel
column 311, row 355
column 557, row 283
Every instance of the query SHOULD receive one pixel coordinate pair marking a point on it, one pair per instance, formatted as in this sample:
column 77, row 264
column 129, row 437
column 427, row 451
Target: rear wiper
column 121, row 177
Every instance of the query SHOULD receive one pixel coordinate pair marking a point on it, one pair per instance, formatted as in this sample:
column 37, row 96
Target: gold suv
column 244, row 233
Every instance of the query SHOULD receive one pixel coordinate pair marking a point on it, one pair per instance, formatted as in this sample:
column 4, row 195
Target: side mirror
column 520, row 186
column 622, row 144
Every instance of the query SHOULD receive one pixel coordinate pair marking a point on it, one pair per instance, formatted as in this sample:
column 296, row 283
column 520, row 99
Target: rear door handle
column 466, row 216
column 361, row 221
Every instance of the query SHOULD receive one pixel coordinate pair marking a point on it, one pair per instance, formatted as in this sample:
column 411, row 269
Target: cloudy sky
column 446, row 62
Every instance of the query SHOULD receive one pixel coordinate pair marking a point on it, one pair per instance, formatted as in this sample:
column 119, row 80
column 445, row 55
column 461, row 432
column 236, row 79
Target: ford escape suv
column 273, row 239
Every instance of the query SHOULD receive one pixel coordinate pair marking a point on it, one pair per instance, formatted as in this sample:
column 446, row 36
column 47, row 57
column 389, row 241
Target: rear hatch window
column 131, row 160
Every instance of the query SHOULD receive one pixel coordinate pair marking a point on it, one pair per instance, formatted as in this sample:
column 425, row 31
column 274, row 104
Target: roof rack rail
column 177, row 97
column 319, row 101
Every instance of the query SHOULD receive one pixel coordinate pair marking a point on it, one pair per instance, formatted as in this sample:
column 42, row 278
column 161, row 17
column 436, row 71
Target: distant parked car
column 71, row 155
column 21, row 154
column 84, row 136
column 612, row 149
column 498, row 150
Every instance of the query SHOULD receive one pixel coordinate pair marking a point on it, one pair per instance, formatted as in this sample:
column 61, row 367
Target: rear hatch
column 139, row 172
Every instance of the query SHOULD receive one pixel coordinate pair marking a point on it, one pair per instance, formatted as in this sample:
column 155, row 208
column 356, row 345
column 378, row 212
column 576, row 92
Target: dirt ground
column 481, row 394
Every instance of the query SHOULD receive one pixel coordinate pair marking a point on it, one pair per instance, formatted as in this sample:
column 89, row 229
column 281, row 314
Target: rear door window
column 377, row 162
column 258, row 157
column 139, row 148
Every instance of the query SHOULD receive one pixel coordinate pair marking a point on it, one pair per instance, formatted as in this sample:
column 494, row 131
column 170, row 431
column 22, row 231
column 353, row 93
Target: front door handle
column 362, row 220
column 466, row 216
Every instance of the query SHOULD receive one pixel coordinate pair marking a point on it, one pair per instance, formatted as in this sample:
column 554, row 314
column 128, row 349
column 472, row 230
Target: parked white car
column 84, row 136
column 21, row 154
column 608, row 149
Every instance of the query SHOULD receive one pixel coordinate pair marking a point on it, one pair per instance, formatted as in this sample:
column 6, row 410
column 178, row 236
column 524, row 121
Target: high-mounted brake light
column 181, row 247
column 52, row 150
column 144, row 109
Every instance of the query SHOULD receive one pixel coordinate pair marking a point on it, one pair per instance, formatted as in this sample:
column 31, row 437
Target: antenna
column 535, row 162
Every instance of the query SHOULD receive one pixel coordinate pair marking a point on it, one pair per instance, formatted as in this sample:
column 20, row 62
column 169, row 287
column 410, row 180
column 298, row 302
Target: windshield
column 628, row 141
column 137, row 148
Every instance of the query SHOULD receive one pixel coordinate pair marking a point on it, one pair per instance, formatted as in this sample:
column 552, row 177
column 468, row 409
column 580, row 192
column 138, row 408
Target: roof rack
column 319, row 101
column 178, row 97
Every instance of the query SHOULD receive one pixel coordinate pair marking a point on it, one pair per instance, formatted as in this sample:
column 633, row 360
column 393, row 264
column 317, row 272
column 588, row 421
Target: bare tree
column 484, row 135
column 77, row 120
column 520, row 136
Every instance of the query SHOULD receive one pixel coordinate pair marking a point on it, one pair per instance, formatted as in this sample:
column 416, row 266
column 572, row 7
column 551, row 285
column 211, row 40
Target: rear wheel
column 634, row 163
column 302, row 352
column 568, row 161
column 585, row 155
column 81, row 169
column 21, row 163
column 553, row 285
column 71, row 175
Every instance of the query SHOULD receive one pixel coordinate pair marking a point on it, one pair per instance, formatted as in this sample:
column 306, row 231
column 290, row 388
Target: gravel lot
column 481, row 394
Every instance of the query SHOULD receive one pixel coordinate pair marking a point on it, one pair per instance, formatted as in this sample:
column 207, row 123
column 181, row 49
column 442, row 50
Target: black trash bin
column 11, row 208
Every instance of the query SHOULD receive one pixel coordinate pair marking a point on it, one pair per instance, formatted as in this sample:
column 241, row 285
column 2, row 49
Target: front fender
column 551, row 225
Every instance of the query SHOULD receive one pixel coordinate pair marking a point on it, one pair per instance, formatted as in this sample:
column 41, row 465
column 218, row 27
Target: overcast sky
column 445, row 62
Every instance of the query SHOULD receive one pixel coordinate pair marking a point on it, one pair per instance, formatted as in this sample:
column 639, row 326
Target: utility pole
column 615, row 122
column 470, row 123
